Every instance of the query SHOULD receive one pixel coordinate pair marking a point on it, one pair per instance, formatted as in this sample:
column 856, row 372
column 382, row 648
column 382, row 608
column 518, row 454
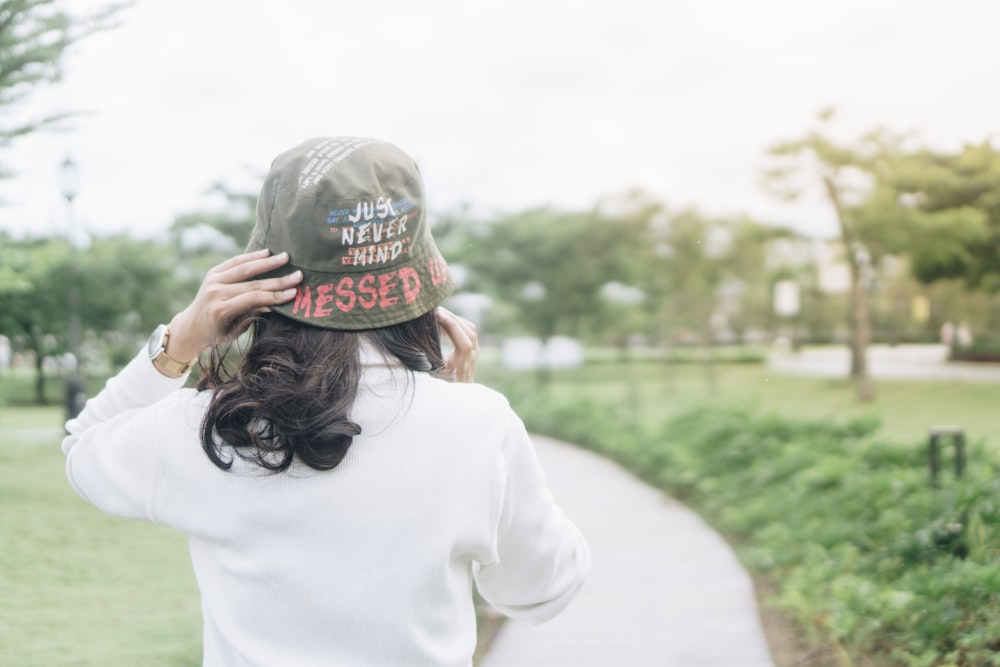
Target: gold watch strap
column 170, row 366
column 167, row 364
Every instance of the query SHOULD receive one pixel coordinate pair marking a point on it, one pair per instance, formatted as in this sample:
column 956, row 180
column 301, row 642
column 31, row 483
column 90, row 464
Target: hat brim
column 369, row 299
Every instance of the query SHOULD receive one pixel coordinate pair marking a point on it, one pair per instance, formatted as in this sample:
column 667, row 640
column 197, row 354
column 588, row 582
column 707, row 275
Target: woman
column 343, row 486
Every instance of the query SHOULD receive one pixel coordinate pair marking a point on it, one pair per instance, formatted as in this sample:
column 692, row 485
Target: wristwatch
column 163, row 362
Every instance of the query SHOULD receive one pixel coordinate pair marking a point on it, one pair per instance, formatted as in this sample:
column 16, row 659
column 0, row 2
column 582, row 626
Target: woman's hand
column 461, row 365
column 226, row 298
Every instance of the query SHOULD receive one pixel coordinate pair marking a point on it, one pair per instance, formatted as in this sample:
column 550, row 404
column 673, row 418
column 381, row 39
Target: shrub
column 985, row 348
column 864, row 550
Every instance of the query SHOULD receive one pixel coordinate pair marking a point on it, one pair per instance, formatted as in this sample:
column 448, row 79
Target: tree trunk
column 860, row 319
column 860, row 332
column 40, row 379
column 708, row 359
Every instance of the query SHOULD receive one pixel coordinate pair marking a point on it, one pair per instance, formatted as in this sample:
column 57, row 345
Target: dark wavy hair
column 291, row 395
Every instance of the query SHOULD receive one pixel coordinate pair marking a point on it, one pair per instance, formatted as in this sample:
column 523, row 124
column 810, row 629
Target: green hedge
column 985, row 348
column 864, row 551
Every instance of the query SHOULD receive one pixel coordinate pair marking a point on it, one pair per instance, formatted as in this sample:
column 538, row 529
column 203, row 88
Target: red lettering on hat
column 367, row 286
column 439, row 270
column 384, row 287
column 410, row 279
column 303, row 300
column 323, row 297
column 345, row 289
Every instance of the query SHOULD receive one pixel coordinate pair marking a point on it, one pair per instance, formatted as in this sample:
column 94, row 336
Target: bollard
column 937, row 435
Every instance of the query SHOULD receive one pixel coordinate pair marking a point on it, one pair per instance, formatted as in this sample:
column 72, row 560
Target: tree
column 941, row 212
column 551, row 265
column 837, row 168
column 699, row 268
column 126, row 287
column 33, row 297
column 130, row 285
column 233, row 225
column 952, row 204
column 34, row 35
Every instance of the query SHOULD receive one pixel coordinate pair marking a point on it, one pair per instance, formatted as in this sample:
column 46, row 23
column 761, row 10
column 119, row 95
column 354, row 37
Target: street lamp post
column 75, row 396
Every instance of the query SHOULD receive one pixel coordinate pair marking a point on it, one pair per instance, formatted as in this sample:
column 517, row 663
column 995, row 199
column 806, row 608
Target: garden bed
column 868, row 559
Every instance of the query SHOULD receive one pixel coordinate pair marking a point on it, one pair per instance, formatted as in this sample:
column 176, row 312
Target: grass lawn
column 31, row 418
column 80, row 588
column 906, row 409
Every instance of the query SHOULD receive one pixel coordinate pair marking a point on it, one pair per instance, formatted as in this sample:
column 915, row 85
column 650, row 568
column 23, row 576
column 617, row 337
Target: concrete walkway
column 902, row 362
column 665, row 591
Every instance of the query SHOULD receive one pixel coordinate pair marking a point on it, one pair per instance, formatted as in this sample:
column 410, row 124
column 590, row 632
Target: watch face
column 156, row 341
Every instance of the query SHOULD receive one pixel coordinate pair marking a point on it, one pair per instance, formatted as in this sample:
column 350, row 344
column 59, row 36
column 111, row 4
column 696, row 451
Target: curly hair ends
column 292, row 393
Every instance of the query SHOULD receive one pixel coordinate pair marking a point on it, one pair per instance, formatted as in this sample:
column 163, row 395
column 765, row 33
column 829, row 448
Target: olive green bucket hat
column 350, row 213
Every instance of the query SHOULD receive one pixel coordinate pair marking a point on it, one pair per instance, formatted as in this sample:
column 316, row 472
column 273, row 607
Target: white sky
column 505, row 104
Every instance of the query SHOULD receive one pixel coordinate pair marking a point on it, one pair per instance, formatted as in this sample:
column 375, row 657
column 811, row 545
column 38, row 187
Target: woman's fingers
column 459, row 330
column 265, row 289
column 240, row 259
column 244, row 267
column 227, row 295
column 465, row 340
column 246, row 302
column 456, row 329
column 238, row 301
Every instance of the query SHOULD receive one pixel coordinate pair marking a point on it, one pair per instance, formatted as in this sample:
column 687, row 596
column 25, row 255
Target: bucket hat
column 350, row 213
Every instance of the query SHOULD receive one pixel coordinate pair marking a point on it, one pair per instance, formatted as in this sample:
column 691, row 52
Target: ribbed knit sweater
column 370, row 564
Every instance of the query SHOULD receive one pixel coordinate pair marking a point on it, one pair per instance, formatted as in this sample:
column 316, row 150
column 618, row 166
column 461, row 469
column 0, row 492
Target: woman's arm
column 542, row 558
column 111, row 446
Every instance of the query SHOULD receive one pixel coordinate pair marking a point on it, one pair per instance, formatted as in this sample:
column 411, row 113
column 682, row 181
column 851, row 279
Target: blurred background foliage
column 919, row 246
column 918, row 249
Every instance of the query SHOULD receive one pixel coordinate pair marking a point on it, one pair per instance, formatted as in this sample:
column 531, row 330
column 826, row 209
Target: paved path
column 903, row 362
column 665, row 590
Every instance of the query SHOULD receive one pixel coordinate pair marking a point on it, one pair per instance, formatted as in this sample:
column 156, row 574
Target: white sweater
column 370, row 564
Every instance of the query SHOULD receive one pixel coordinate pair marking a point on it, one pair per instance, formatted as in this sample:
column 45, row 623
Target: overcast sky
column 505, row 104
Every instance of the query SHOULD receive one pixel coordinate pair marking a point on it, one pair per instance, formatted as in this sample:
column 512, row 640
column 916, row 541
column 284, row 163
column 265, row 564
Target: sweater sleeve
column 542, row 558
column 111, row 446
